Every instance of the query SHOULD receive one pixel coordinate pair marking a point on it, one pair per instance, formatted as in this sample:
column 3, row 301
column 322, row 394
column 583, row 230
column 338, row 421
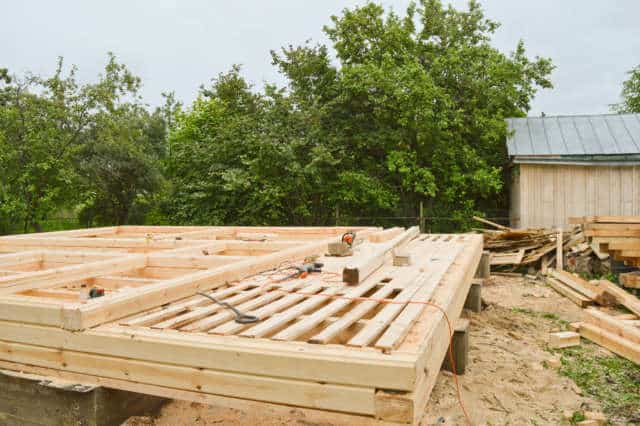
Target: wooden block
column 339, row 249
column 474, row 298
column 459, row 348
column 630, row 279
column 564, row 339
column 484, row 267
column 401, row 258
column 361, row 268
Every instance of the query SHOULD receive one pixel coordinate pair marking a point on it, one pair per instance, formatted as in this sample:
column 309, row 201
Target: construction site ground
column 510, row 379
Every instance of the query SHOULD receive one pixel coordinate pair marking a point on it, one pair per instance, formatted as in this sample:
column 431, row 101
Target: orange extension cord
column 382, row 301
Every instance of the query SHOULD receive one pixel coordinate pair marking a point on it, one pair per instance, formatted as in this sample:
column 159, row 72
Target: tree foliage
column 630, row 93
column 410, row 109
column 398, row 110
column 63, row 144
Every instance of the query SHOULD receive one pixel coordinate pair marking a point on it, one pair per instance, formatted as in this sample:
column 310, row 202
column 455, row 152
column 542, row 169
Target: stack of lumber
column 617, row 236
column 516, row 247
column 620, row 333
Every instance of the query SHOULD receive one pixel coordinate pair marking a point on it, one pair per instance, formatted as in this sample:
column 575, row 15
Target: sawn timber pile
column 516, row 247
column 603, row 324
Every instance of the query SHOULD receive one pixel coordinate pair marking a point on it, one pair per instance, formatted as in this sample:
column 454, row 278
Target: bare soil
column 507, row 382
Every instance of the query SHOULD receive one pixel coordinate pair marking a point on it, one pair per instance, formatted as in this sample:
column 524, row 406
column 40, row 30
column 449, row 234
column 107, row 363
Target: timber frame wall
column 317, row 345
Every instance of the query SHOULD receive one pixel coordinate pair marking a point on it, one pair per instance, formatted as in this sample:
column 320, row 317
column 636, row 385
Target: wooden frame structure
column 370, row 346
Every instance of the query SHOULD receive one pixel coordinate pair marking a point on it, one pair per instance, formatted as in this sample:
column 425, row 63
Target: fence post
column 337, row 215
column 421, row 218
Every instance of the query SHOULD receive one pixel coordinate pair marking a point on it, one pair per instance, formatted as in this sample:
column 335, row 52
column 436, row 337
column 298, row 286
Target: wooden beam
column 612, row 325
column 120, row 306
column 329, row 364
column 359, row 269
column 261, row 388
column 568, row 292
column 53, row 277
column 623, row 347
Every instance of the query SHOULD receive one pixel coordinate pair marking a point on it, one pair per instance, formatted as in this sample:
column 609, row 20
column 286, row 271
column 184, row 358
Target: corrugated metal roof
column 574, row 135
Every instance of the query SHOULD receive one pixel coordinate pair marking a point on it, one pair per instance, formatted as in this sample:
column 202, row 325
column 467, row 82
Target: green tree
column 630, row 93
column 119, row 165
column 410, row 110
column 45, row 122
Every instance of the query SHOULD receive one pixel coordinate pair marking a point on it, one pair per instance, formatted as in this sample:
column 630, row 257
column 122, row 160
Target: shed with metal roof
column 578, row 165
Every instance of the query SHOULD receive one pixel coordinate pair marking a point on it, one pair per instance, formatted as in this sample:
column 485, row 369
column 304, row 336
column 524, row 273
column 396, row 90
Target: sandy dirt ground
column 506, row 382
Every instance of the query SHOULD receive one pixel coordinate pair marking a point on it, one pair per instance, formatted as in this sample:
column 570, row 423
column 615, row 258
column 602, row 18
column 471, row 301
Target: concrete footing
column 34, row 400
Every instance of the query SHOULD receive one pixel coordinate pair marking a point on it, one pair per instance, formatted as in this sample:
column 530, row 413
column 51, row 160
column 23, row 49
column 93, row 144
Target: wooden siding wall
column 547, row 195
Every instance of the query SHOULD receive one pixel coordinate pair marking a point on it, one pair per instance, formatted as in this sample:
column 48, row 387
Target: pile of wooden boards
column 620, row 333
column 511, row 248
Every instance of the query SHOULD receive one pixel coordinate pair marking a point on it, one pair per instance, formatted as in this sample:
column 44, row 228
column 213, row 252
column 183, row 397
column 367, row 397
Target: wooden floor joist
column 363, row 346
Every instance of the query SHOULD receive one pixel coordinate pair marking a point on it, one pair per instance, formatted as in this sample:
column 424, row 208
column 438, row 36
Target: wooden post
column 474, row 298
column 421, row 219
column 559, row 254
column 459, row 347
column 484, row 267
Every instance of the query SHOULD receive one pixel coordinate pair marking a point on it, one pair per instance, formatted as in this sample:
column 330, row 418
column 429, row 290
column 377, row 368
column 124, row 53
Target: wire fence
column 428, row 224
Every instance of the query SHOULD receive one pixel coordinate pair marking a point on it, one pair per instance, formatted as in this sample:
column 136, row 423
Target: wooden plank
column 577, row 284
column 20, row 258
column 359, row 269
column 400, row 326
column 559, row 251
column 616, row 344
column 288, row 300
column 220, row 317
column 329, row 364
column 279, row 320
column 430, row 336
column 310, row 415
column 625, row 299
column 612, row 325
column 386, row 235
column 52, row 277
column 568, row 292
column 178, row 308
column 488, row 222
column 205, row 317
column 351, row 317
column 261, row 388
column 307, row 324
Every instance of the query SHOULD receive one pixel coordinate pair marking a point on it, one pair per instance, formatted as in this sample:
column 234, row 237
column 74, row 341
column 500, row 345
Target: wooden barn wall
column 547, row 195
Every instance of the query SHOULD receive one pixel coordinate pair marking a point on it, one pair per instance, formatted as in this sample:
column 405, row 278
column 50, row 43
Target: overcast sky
column 178, row 45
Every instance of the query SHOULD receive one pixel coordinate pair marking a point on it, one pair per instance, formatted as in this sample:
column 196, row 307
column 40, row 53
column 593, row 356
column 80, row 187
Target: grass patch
column 612, row 380
column 546, row 315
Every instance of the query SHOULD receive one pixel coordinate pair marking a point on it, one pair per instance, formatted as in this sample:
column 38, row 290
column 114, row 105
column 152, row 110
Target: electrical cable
column 274, row 271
